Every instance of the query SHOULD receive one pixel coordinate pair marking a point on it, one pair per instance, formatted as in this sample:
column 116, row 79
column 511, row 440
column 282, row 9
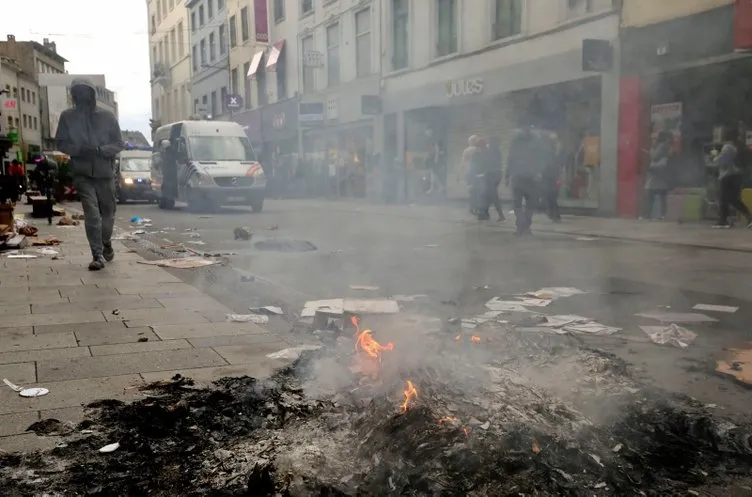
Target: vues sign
column 464, row 87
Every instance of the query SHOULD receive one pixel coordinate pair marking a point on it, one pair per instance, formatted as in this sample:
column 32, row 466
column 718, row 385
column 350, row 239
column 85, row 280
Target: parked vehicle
column 134, row 176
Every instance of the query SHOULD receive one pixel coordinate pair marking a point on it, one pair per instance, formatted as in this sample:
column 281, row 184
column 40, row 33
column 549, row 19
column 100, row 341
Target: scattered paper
column 26, row 392
column 560, row 320
column 371, row 306
column 364, row 287
column 410, row 298
column 21, row 256
column 248, row 318
column 531, row 302
column 715, row 308
column 47, row 251
column 591, row 328
column 672, row 334
column 330, row 306
column 139, row 232
column 292, row 353
column 196, row 242
column 586, row 239
column 186, row 263
column 125, row 237
column 109, row 448
column 495, row 304
column 557, row 292
column 271, row 309
column 677, row 317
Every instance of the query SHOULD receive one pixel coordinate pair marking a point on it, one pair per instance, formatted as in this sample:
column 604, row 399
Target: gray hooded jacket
column 89, row 135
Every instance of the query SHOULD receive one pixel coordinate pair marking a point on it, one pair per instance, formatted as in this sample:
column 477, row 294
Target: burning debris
column 419, row 416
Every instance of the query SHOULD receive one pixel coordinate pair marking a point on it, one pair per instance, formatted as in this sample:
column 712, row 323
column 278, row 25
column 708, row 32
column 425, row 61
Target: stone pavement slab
column 72, row 393
column 19, row 373
column 133, row 348
column 15, row 310
column 28, row 443
column 18, row 331
column 43, row 355
column 138, row 287
column 16, row 423
column 204, row 376
column 249, row 354
column 235, row 340
column 49, row 319
column 154, row 317
column 170, row 331
column 39, row 296
column 37, row 342
column 121, row 302
column 203, row 303
column 121, row 364
column 78, row 327
column 113, row 336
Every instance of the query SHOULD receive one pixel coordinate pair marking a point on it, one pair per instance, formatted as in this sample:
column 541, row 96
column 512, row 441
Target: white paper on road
column 47, row 251
column 21, row 256
column 556, row 292
column 366, row 288
column 292, row 353
column 715, row 308
column 586, row 239
column 271, row 309
column 329, row 306
column 185, row 263
column 410, row 298
column 247, row 318
column 591, row 328
column 677, row 317
column 496, row 304
column 672, row 334
column 560, row 320
column 371, row 306
column 531, row 302
column 109, row 448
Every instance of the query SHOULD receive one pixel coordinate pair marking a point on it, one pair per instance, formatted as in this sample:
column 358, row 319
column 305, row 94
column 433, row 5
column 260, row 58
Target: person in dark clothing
column 657, row 181
column 551, row 176
column 730, row 179
column 479, row 167
column 15, row 180
column 92, row 138
column 524, row 173
column 493, row 175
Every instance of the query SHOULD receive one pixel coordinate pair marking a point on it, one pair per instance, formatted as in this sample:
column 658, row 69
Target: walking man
column 524, row 172
column 91, row 137
column 730, row 162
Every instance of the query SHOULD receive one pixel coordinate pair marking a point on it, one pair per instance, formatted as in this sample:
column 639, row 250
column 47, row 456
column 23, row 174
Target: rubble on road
column 248, row 318
column 672, row 334
column 737, row 364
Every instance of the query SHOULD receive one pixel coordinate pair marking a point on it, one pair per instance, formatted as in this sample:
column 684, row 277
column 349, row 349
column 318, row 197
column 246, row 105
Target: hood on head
column 83, row 92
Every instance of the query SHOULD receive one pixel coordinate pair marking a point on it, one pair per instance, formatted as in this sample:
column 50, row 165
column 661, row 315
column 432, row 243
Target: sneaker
column 109, row 253
column 721, row 226
column 97, row 264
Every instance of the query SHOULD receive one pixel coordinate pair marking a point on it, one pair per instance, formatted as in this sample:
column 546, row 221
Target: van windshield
column 220, row 148
column 135, row 165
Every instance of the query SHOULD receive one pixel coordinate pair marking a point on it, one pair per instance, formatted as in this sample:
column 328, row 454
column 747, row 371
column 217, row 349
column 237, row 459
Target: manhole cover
column 282, row 245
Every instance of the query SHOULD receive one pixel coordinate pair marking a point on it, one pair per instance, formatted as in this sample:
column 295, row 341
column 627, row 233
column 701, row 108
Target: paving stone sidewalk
column 91, row 335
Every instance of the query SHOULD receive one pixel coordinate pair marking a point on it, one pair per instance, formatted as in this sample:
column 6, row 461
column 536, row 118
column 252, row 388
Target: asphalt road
column 459, row 265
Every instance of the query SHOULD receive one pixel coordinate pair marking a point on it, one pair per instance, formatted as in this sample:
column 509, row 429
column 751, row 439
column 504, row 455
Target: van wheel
column 166, row 203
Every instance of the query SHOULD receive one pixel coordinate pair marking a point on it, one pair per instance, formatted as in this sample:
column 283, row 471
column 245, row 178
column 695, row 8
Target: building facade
column 20, row 106
column 210, row 70
column 170, row 59
column 695, row 87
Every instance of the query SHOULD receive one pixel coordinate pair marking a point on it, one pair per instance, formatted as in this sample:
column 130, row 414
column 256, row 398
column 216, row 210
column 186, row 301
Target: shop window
column 246, row 86
column 15, row 93
column 332, row 55
column 446, row 22
column 363, row 42
column 245, row 31
column 308, row 69
column 222, row 39
column 233, row 32
column 508, row 19
column 400, row 13
column 10, row 122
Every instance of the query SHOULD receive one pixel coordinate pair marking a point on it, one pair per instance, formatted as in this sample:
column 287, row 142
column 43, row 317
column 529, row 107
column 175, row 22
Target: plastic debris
column 677, row 317
column 671, row 334
column 410, row 298
column 591, row 328
column 268, row 309
column 248, row 318
column 21, row 256
column 496, row 304
column 47, row 251
column 109, row 448
column 533, row 302
column 715, row 308
column 26, row 392
column 292, row 353
column 556, row 292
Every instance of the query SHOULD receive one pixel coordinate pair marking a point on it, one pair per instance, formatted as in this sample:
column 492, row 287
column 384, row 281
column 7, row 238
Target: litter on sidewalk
column 247, row 318
column 18, row 255
column 715, row 308
column 735, row 364
column 496, row 304
column 292, row 353
column 371, row 306
column 185, row 263
column 672, row 334
column 46, row 242
column 47, row 251
column 268, row 309
column 677, row 317
column 557, row 292
column 329, row 306
column 26, row 392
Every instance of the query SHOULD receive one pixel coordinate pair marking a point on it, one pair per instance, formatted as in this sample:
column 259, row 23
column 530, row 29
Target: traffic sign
column 233, row 102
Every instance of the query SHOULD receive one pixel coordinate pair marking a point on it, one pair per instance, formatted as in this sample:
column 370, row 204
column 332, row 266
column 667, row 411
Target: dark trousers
column 525, row 194
column 730, row 195
column 490, row 195
column 653, row 196
column 552, row 204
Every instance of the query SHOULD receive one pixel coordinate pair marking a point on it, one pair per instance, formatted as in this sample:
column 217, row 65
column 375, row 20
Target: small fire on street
column 417, row 416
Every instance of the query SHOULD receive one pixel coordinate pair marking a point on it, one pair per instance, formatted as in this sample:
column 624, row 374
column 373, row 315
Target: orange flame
column 410, row 394
column 475, row 339
column 447, row 419
column 365, row 342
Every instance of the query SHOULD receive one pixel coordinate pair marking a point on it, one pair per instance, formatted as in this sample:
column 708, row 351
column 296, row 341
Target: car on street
column 134, row 176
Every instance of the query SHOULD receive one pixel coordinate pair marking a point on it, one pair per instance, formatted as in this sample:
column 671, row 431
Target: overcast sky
column 96, row 36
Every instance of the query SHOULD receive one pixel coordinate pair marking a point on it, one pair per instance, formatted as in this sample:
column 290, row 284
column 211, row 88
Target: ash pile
column 522, row 414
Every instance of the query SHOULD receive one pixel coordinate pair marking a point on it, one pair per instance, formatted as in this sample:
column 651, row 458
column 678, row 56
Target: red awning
column 255, row 63
column 274, row 53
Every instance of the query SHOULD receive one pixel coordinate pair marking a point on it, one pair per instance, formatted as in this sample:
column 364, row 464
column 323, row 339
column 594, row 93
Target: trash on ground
column 677, row 317
column 126, row 236
column 672, row 334
column 27, row 230
column 247, row 279
column 533, row 302
column 193, row 235
column 557, row 292
column 330, row 306
column 591, row 328
column 410, row 298
column 734, row 364
column 185, row 263
column 496, row 304
column 268, row 309
column 586, row 239
column 67, row 221
column 77, row 217
column 716, row 308
column 139, row 232
column 47, row 251
column 48, row 241
column 16, row 242
column 196, row 242
column 488, row 316
column 292, row 353
column 21, row 256
column 26, row 392
column 364, row 288
column 141, row 221
column 242, row 234
column 247, row 318
column 371, row 306
column 273, row 227
column 110, row 448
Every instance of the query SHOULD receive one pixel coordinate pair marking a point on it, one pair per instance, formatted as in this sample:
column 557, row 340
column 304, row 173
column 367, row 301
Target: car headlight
column 128, row 181
column 204, row 180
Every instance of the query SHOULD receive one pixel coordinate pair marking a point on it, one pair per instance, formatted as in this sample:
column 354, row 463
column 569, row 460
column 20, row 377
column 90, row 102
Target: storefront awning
column 255, row 63
column 274, row 53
